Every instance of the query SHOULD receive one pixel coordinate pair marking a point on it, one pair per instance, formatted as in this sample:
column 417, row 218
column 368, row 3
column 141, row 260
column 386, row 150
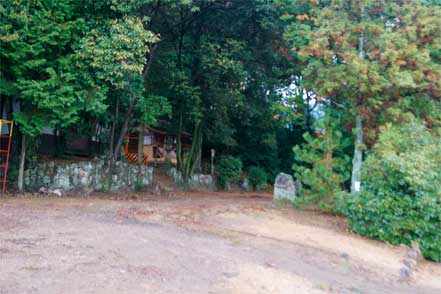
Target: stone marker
column 284, row 188
column 245, row 185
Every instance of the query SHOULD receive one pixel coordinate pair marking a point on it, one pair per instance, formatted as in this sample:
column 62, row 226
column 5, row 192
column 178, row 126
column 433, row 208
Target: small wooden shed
column 158, row 145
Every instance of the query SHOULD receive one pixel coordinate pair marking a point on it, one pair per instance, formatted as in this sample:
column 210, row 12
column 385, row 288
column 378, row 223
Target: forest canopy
column 316, row 89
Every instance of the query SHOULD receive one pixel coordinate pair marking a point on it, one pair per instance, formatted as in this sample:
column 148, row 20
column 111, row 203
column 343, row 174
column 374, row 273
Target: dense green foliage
column 369, row 61
column 210, row 68
column 253, row 80
column 36, row 63
column 257, row 177
column 321, row 164
column 229, row 169
column 372, row 62
column 401, row 200
column 67, row 69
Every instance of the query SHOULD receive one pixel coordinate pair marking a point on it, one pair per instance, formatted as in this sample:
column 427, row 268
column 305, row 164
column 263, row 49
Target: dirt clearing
column 191, row 243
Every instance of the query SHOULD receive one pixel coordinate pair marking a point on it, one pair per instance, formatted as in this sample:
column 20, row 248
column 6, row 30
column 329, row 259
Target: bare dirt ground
column 191, row 243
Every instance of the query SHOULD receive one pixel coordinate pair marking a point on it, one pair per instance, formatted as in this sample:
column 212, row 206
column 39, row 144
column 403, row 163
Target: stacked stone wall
column 85, row 176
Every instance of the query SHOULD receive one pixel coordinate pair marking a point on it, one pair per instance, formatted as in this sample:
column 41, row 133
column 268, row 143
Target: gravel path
column 190, row 245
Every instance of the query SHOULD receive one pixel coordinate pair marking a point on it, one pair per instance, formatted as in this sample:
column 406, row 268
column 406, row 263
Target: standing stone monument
column 284, row 188
column 245, row 185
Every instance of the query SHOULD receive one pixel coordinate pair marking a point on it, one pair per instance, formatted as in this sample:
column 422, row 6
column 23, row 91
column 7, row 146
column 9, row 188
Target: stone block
column 284, row 188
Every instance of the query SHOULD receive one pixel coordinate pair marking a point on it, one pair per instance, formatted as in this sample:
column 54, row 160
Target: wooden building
column 158, row 145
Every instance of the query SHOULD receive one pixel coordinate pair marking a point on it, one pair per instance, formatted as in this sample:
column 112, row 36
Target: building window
column 148, row 140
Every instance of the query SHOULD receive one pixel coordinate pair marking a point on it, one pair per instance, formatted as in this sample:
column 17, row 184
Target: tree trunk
column 112, row 133
column 358, row 157
column 192, row 156
column 123, row 132
column 191, row 161
column 22, row 163
column 179, row 162
column 197, row 155
column 358, row 144
column 140, row 156
column 10, row 108
column 152, row 49
column 2, row 104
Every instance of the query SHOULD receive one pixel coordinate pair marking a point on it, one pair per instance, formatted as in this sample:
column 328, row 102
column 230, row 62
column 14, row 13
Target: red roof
column 162, row 132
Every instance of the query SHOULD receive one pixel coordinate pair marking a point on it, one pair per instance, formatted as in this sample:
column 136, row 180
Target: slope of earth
column 191, row 243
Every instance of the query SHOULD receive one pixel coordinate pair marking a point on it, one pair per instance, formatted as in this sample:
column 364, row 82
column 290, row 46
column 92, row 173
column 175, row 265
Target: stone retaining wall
column 84, row 177
column 197, row 181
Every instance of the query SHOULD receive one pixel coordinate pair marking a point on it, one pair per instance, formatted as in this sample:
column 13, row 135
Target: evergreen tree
column 369, row 57
column 321, row 163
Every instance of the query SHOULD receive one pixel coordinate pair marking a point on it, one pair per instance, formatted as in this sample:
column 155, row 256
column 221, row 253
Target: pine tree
column 321, row 163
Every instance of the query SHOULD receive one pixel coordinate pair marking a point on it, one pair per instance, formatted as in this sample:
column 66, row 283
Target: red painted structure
column 158, row 145
column 6, row 127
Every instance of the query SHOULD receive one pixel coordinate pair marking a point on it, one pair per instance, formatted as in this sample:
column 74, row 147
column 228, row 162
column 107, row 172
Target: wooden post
column 213, row 152
column 140, row 156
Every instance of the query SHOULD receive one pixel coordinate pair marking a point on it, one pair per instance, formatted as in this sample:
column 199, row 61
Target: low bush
column 257, row 177
column 138, row 184
column 229, row 169
column 401, row 197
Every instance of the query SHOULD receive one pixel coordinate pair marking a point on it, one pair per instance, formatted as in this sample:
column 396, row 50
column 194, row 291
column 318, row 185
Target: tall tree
column 115, row 54
column 368, row 57
column 37, row 40
column 222, row 63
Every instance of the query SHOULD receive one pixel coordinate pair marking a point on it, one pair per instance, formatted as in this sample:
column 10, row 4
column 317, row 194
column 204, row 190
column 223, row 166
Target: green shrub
column 138, row 184
column 401, row 197
column 229, row 170
column 257, row 177
column 322, row 165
